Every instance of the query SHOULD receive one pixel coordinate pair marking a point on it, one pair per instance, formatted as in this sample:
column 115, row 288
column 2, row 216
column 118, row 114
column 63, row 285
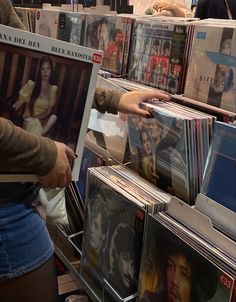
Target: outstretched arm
column 129, row 101
column 113, row 101
column 177, row 9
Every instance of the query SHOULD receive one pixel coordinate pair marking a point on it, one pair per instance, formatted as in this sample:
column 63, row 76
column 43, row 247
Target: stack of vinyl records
column 185, row 258
column 221, row 114
column 93, row 156
column 212, row 66
column 75, row 214
column 114, row 222
column 170, row 149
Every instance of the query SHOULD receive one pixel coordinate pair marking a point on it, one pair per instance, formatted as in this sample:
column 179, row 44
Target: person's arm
column 25, row 152
column 178, row 9
column 113, row 101
column 8, row 15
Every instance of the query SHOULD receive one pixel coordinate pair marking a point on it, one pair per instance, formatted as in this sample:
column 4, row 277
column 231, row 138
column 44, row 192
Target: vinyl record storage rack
column 73, row 266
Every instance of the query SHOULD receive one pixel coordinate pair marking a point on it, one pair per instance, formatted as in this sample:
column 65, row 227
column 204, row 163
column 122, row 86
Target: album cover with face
column 23, row 14
column 173, row 270
column 158, row 148
column 112, row 35
column 158, row 53
column 112, row 238
column 47, row 88
column 212, row 66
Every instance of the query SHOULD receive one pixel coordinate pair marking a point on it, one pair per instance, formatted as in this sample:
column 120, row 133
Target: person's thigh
column 39, row 285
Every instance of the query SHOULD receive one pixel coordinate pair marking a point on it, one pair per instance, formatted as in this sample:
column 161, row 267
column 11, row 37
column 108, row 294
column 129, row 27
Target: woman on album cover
column 38, row 100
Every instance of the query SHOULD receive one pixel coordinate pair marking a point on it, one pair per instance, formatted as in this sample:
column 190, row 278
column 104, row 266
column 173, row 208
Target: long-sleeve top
column 214, row 9
column 25, row 152
column 8, row 15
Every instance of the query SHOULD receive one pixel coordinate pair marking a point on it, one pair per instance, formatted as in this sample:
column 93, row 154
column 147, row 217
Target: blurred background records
column 212, row 66
column 158, row 53
column 71, row 27
column 93, row 156
column 112, row 35
column 47, row 23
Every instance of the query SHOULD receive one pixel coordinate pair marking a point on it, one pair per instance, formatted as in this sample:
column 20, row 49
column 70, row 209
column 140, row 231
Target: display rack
column 74, row 269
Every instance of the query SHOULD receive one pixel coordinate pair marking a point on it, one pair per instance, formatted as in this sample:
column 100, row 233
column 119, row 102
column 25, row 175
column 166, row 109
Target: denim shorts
column 24, row 240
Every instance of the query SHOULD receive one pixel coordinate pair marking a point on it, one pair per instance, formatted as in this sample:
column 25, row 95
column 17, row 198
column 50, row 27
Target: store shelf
column 66, row 250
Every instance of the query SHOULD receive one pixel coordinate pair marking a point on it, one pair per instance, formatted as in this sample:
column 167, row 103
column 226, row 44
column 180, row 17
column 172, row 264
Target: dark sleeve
column 25, row 152
column 201, row 10
column 106, row 100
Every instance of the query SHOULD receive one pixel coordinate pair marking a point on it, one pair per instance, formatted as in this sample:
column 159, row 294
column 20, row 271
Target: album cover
column 112, row 238
column 112, row 35
column 157, row 53
column 71, row 27
column 158, row 149
column 220, row 170
column 172, row 269
column 47, row 23
column 212, row 66
column 70, row 72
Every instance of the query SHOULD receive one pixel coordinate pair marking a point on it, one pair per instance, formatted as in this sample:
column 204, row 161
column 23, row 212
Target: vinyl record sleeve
column 89, row 159
column 212, row 66
column 166, row 256
column 112, row 35
column 73, row 76
column 157, row 53
column 220, row 170
column 47, row 23
column 118, row 232
column 221, row 114
column 71, row 27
